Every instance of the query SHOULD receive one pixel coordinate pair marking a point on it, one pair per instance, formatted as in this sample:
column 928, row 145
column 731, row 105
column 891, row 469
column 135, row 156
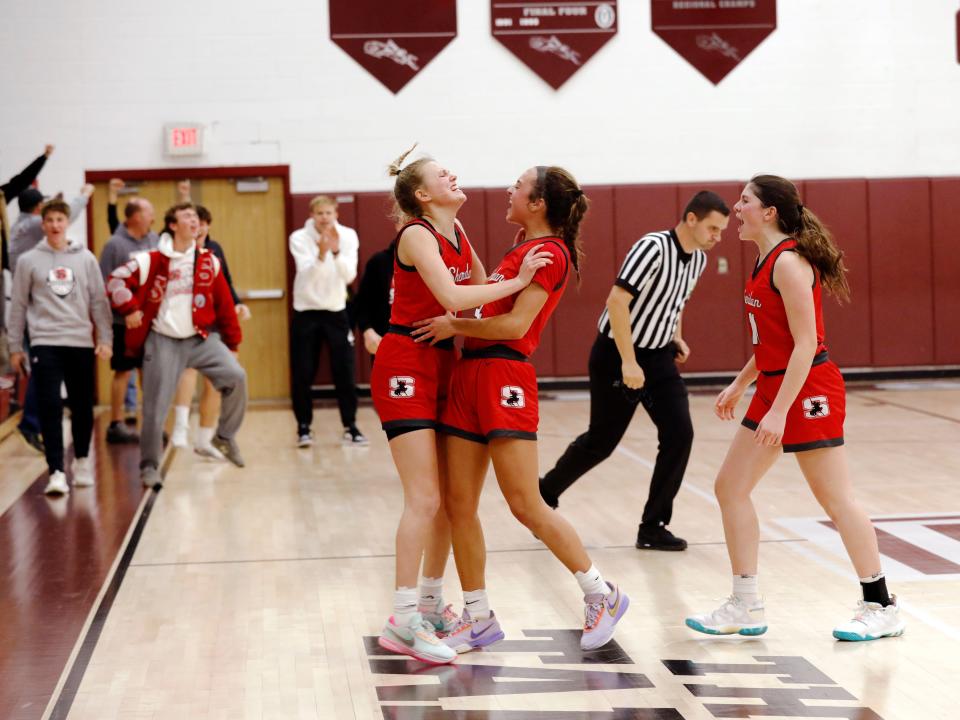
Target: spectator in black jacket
column 9, row 190
column 209, row 397
column 374, row 298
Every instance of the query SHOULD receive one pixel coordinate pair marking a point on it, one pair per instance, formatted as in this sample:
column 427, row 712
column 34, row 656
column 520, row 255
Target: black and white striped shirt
column 660, row 275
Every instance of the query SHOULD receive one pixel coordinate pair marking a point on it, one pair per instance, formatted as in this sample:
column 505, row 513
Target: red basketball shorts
column 410, row 382
column 492, row 398
column 815, row 419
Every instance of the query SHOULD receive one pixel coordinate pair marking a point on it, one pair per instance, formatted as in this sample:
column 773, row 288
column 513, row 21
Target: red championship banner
column 554, row 39
column 393, row 41
column 714, row 35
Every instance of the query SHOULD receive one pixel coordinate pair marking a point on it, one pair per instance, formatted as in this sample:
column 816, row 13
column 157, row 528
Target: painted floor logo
column 914, row 547
column 418, row 700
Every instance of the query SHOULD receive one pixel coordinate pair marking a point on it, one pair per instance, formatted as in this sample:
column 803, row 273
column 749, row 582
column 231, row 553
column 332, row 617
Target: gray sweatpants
column 164, row 360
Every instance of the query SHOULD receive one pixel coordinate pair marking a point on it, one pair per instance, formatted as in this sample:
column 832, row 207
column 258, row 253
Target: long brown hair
column 409, row 179
column 814, row 242
column 566, row 206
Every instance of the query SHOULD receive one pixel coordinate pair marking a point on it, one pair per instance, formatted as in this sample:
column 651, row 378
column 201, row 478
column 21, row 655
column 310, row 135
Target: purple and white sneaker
column 472, row 634
column 601, row 616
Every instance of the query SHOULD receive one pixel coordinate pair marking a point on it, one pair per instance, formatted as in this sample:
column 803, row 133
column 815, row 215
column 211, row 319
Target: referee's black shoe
column 659, row 538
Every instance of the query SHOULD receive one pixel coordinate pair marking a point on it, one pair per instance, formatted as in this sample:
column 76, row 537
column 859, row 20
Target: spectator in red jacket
column 170, row 299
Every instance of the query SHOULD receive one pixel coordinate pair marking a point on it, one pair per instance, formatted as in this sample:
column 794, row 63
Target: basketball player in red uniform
column 493, row 410
column 435, row 270
column 798, row 407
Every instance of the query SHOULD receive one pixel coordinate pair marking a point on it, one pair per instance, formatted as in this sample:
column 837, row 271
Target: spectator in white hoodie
column 325, row 253
column 58, row 294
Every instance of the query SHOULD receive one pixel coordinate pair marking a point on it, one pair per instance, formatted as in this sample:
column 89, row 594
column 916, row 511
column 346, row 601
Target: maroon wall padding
column 897, row 236
column 842, row 206
column 576, row 316
column 901, row 271
column 473, row 217
column 638, row 210
column 713, row 319
column 945, row 199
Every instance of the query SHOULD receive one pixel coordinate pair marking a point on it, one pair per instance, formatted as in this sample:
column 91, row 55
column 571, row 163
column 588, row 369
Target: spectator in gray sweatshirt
column 25, row 233
column 132, row 236
column 59, row 296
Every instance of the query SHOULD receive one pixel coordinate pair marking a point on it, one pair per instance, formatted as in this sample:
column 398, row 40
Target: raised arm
column 418, row 247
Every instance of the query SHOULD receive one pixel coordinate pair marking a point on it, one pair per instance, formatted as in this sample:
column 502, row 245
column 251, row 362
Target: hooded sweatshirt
column 60, row 297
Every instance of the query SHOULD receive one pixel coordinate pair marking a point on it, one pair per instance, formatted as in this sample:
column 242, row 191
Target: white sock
column 204, row 436
column 431, row 594
column 181, row 414
column 746, row 587
column 591, row 582
column 476, row 602
column 404, row 605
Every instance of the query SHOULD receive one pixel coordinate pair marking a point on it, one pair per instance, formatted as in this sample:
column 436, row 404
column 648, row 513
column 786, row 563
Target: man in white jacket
column 325, row 253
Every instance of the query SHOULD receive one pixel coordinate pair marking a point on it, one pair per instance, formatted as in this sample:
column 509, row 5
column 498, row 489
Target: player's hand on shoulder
column 534, row 260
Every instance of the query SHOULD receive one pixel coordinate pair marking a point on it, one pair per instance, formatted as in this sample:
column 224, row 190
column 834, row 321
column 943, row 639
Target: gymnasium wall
column 852, row 89
column 897, row 234
column 858, row 88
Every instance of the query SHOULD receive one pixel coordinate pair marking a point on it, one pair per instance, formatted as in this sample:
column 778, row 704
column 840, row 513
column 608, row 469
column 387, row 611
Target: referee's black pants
column 664, row 397
column 309, row 330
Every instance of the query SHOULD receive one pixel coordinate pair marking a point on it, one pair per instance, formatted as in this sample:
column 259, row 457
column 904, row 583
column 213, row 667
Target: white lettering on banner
column 391, row 51
column 713, row 4
column 554, row 46
column 715, row 43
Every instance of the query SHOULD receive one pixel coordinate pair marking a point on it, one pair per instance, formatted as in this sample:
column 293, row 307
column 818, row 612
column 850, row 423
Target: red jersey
column 552, row 278
column 767, row 316
column 412, row 299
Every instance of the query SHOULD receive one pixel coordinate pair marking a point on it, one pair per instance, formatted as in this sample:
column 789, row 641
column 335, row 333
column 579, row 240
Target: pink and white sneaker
column 417, row 639
column 470, row 634
column 601, row 616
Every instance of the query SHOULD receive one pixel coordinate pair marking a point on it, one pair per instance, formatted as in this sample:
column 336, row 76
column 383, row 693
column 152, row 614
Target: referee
column 633, row 361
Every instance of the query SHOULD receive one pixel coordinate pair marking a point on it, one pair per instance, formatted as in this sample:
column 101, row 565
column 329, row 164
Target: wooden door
column 250, row 225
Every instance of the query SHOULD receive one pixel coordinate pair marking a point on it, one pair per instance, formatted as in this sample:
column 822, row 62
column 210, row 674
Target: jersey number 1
column 753, row 329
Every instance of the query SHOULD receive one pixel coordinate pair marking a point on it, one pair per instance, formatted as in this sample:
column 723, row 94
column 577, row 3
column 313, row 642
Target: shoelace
column 592, row 613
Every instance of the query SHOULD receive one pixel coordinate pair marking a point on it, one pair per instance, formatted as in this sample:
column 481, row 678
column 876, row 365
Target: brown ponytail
column 406, row 206
column 566, row 206
column 815, row 242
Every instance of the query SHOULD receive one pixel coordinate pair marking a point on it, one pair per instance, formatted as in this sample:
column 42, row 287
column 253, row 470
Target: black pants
column 309, row 330
column 664, row 397
column 53, row 365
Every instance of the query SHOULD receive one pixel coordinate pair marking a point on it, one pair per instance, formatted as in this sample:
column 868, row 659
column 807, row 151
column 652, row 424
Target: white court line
column 928, row 618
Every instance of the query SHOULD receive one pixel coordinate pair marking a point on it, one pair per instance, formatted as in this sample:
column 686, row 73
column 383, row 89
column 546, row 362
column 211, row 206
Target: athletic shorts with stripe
column 815, row 419
column 492, row 398
column 410, row 382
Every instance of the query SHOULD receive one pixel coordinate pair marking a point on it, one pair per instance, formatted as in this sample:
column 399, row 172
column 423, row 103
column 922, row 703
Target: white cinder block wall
column 842, row 88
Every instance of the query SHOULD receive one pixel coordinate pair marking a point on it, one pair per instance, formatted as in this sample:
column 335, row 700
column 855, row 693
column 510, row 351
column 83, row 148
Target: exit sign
column 183, row 139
